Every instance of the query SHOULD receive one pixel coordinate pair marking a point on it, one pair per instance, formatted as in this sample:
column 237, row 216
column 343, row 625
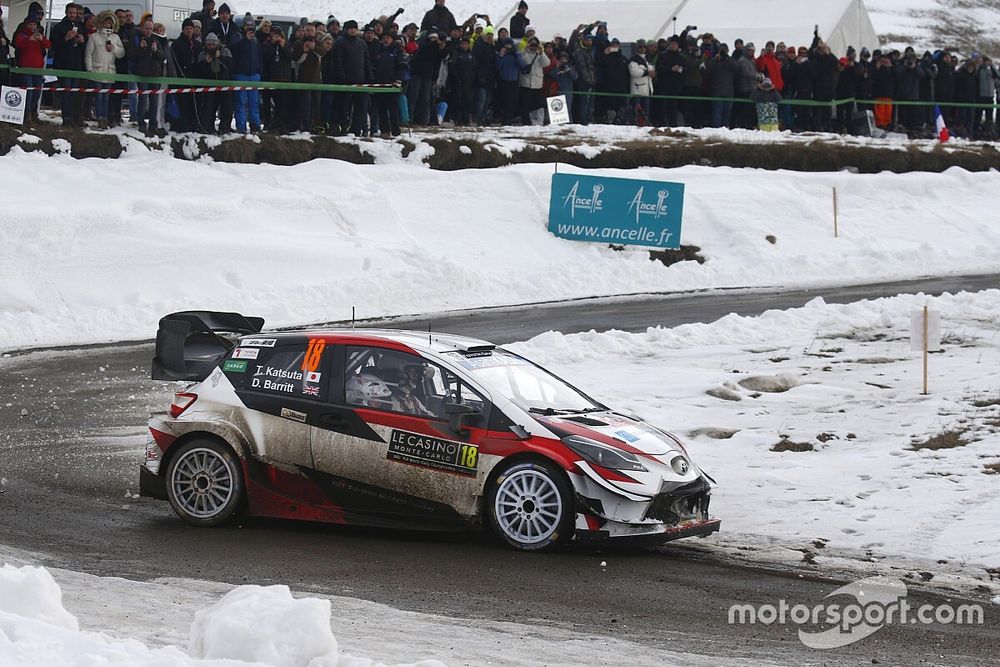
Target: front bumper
column 151, row 485
column 648, row 536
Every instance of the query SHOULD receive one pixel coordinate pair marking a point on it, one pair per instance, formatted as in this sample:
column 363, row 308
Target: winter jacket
column 771, row 67
column 613, row 74
column 462, row 70
column 966, row 85
column 722, row 74
column 668, row 81
column 125, row 33
column 427, row 60
column 518, row 22
column 908, row 81
column 390, row 65
column 353, row 64
column 694, row 75
column 30, row 52
column 565, row 77
column 883, row 82
column 986, row 77
column 746, row 78
column 761, row 96
column 4, row 44
column 945, row 83
column 67, row 54
column 532, row 69
column 801, row 77
column 219, row 67
column 97, row 58
column 309, row 64
column 185, row 55
column 486, row 64
column 586, row 69
column 224, row 31
column 247, row 57
column 824, row 75
column 509, row 64
column 277, row 62
column 638, row 70
column 439, row 18
column 147, row 56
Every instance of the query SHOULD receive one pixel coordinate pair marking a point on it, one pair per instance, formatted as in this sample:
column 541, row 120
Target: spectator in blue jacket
column 509, row 73
column 247, row 66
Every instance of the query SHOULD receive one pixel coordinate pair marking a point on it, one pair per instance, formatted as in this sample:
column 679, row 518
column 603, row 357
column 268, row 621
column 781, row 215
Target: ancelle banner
column 621, row 211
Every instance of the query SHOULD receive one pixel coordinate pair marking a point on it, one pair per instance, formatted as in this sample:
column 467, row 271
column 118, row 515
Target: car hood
column 613, row 429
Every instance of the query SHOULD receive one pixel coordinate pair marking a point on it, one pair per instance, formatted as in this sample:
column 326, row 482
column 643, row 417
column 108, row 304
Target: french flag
column 942, row 129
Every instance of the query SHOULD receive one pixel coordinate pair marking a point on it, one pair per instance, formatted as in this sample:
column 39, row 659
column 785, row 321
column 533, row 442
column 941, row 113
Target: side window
column 395, row 381
column 281, row 371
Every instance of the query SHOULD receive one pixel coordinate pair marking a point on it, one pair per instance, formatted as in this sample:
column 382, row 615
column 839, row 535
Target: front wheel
column 530, row 506
column 204, row 483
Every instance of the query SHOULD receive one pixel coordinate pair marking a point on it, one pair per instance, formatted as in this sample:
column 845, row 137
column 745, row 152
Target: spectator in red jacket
column 31, row 45
column 769, row 64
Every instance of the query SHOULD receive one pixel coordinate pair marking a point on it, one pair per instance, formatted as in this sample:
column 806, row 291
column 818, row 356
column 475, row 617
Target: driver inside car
column 411, row 390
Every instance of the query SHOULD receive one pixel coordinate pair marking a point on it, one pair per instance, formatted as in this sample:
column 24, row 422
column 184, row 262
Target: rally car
column 404, row 429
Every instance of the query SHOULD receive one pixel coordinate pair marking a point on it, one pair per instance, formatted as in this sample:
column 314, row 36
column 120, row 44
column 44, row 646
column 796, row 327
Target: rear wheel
column 530, row 506
column 204, row 483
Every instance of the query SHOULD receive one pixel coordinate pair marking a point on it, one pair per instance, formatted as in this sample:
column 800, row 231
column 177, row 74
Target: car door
column 280, row 383
column 384, row 437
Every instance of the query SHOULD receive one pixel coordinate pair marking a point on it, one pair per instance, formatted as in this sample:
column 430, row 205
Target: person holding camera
column 30, row 45
column 308, row 55
column 247, row 66
column 277, row 60
column 216, row 62
column 68, row 45
column 148, row 59
column 909, row 73
column 641, row 73
column 533, row 62
column 508, row 77
column 103, row 48
column 185, row 51
column 586, row 73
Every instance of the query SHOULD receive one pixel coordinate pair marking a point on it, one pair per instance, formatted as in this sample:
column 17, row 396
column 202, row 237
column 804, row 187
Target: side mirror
column 456, row 413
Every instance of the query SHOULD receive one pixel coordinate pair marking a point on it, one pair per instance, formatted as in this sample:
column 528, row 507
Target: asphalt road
column 72, row 428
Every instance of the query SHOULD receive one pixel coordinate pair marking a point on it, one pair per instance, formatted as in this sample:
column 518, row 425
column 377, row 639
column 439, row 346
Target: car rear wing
column 190, row 344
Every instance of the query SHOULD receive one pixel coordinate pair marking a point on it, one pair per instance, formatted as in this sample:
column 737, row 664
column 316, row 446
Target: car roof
column 430, row 341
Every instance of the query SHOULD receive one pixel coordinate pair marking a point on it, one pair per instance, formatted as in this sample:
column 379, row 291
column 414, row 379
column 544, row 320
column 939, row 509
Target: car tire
column 529, row 505
column 204, row 482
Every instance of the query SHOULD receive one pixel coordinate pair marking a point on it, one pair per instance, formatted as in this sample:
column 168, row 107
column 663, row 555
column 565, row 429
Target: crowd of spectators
column 475, row 73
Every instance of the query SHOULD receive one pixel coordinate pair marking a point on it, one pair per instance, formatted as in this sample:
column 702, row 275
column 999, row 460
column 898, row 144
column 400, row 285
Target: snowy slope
column 841, row 381
column 99, row 250
column 80, row 619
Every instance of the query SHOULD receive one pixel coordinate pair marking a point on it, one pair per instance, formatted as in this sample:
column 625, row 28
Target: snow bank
column 99, row 250
column 265, row 624
column 840, row 382
column 250, row 626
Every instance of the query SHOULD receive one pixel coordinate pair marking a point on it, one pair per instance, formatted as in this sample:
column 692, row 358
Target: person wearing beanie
column 68, row 46
column 185, row 51
column 438, row 18
column 519, row 21
column 352, row 66
column 247, row 66
column 216, row 62
column 223, row 26
column 765, row 98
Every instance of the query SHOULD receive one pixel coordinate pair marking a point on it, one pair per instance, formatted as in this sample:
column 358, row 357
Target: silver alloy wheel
column 528, row 506
column 202, row 483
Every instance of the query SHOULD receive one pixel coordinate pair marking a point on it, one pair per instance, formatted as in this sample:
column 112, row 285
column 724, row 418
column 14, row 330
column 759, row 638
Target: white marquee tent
column 842, row 23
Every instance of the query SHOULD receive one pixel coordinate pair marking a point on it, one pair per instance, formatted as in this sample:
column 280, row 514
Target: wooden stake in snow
column 925, row 337
column 836, row 221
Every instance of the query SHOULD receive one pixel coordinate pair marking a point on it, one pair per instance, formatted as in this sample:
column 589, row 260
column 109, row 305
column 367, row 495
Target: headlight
column 603, row 455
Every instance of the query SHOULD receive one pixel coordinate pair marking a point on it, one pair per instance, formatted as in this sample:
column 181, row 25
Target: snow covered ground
column 840, row 382
column 99, row 250
column 58, row 617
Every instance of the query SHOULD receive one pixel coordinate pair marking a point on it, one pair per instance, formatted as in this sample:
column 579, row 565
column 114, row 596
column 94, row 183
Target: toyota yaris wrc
column 408, row 430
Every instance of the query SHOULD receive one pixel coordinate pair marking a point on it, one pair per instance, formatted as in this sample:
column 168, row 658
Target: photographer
column 148, row 59
column 277, row 57
column 185, row 51
column 533, row 62
column 308, row 54
column 909, row 73
column 30, row 45
column 670, row 66
column 487, row 64
column 722, row 72
column 508, row 76
column 103, row 48
column 216, row 62
column 565, row 76
column 613, row 77
column 68, row 45
column 641, row 73
column 390, row 69
column 247, row 66
column 439, row 18
column 586, row 73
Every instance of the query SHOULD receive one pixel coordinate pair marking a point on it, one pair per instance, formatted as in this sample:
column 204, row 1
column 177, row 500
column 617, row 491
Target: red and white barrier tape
column 172, row 91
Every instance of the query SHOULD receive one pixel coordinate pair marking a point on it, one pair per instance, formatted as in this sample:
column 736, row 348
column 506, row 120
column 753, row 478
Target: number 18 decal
column 314, row 354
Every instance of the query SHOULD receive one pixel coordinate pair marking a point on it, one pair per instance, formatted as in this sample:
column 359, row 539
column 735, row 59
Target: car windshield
column 527, row 385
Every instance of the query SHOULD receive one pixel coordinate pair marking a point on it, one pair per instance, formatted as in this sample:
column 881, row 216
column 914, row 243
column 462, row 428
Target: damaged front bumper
column 678, row 511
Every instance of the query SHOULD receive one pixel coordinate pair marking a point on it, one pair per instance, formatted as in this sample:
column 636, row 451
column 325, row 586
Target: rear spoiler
column 190, row 344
